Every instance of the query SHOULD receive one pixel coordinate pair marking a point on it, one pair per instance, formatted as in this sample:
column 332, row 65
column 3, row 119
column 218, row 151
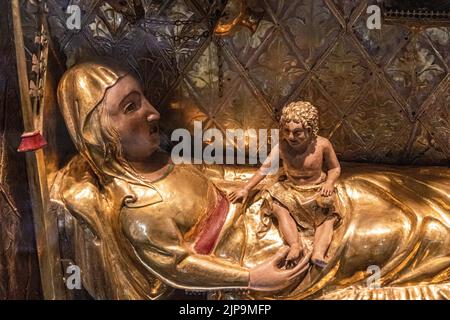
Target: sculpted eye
column 130, row 107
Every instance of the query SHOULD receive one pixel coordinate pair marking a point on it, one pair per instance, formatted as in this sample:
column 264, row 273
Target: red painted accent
column 31, row 141
column 207, row 238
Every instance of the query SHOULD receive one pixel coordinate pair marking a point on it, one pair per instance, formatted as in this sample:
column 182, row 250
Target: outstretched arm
column 266, row 168
column 180, row 267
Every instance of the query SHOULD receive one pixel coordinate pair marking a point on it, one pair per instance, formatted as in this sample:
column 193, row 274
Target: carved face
column 295, row 135
column 134, row 119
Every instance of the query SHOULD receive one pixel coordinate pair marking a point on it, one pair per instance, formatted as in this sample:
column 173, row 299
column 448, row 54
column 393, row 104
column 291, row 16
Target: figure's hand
column 240, row 194
column 294, row 252
column 269, row 277
column 327, row 189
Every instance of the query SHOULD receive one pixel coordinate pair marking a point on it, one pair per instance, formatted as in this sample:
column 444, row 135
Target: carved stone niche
column 417, row 12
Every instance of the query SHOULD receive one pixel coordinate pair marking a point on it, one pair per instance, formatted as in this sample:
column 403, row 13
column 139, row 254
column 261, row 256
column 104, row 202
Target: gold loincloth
column 304, row 202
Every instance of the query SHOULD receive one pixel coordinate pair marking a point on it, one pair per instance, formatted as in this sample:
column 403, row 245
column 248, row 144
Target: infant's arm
column 270, row 164
column 331, row 162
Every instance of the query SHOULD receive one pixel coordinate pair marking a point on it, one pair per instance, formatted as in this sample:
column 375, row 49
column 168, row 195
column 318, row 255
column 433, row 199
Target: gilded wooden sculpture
column 149, row 225
column 304, row 193
column 107, row 197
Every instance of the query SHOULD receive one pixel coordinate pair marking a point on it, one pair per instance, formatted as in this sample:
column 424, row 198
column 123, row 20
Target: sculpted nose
column 152, row 114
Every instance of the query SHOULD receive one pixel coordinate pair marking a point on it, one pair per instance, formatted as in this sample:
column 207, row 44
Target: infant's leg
column 287, row 224
column 288, row 228
column 322, row 240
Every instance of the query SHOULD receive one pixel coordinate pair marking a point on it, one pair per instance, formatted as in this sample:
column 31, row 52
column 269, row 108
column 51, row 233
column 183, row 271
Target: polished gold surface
column 135, row 239
column 383, row 96
column 394, row 218
column 236, row 13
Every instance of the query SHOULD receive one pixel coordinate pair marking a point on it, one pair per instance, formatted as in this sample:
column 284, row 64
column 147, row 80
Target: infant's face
column 295, row 135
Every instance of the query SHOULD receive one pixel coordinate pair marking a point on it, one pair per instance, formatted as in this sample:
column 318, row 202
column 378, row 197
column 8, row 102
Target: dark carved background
column 383, row 94
column 19, row 271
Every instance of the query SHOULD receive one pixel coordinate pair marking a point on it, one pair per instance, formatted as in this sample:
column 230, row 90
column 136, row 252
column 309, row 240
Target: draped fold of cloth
column 304, row 202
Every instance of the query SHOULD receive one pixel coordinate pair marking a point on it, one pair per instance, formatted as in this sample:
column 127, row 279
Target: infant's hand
column 240, row 194
column 294, row 252
column 327, row 189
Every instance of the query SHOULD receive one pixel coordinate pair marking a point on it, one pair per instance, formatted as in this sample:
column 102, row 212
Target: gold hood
column 80, row 91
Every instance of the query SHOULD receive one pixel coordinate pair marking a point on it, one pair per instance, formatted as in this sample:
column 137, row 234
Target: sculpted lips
column 293, row 142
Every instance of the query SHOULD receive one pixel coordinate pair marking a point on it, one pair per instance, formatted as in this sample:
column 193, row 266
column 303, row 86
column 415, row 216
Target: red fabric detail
column 31, row 141
column 207, row 238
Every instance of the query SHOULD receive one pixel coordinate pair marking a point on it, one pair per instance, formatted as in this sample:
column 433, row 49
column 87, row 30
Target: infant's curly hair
column 301, row 112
